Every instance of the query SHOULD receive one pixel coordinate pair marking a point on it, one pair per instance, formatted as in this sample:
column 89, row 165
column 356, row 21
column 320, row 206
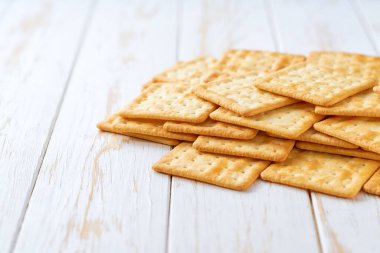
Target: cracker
column 288, row 122
column 314, row 84
column 238, row 62
column 352, row 64
column 109, row 125
column 192, row 72
column 230, row 172
column 165, row 101
column 366, row 103
column 361, row 131
column 153, row 128
column 237, row 94
column 339, row 151
column 261, row 147
column 212, row 128
column 373, row 184
column 336, row 175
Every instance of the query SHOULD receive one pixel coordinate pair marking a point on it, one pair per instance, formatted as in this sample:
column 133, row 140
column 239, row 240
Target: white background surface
column 65, row 187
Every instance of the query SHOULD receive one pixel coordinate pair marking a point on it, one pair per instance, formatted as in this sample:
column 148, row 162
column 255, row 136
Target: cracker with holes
column 373, row 184
column 191, row 72
column 230, row 172
column 314, row 136
column 288, row 121
column 339, row 151
column 361, row 131
column 239, row 62
column 261, row 147
column 351, row 64
column 337, row 175
column 211, row 128
column 366, row 104
column 112, row 123
column 314, row 84
column 165, row 101
column 237, row 94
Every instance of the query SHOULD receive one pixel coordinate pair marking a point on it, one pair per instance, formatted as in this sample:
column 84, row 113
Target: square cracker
column 188, row 71
column 238, row 62
column 261, row 147
column 361, row 131
column 314, row 84
column 110, row 125
column 373, row 184
column 365, row 103
column 314, row 136
column 339, row 151
column 230, row 172
column 336, row 175
column 238, row 94
column 357, row 64
column 212, row 128
column 165, row 101
column 288, row 122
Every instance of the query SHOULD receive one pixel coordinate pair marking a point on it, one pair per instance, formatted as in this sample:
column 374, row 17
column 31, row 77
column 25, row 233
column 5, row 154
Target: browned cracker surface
column 261, row 147
column 212, row 128
column 362, row 131
column 337, row 175
column 373, row 184
column 231, row 172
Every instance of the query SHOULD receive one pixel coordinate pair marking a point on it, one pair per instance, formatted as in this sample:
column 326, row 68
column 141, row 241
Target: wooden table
column 65, row 187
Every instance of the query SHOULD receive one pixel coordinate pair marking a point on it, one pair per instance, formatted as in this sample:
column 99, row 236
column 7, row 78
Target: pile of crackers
column 309, row 122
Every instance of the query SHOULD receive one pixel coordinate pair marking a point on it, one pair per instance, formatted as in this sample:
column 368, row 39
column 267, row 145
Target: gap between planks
column 86, row 25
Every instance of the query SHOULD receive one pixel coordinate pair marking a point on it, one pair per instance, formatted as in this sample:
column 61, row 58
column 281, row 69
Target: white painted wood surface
column 343, row 225
column 95, row 192
column 34, row 68
column 210, row 219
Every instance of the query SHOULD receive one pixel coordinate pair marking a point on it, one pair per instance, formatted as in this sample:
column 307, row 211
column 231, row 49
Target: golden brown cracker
column 288, row 122
column 110, row 123
column 238, row 94
column 373, row 184
column 165, row 101
column 336, row 175
column 238, row 62
column 212, row 128
column 376, row 89
column 192, row 72
column 337, row 150
column 230, row 172
column 352, row 64
column 314, row 84
column 261, row 147
column 365, row 103
column 361, row 131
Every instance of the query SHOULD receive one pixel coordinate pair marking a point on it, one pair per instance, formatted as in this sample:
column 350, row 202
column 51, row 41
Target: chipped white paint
column 96, row 191
column 34, row 67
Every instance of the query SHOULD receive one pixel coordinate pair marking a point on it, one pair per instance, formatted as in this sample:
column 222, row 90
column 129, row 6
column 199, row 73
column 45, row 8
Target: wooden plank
column 205, row 218
column 96, row 191
column 34, row 67
column 344, row 225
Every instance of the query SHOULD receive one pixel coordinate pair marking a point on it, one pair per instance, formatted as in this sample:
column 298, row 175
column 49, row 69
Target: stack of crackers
column 309, row 122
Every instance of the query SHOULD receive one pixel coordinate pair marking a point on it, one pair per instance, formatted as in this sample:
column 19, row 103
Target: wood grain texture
column 34, row 67
column 344, row 225
column 96, row 191
column 205, row 218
